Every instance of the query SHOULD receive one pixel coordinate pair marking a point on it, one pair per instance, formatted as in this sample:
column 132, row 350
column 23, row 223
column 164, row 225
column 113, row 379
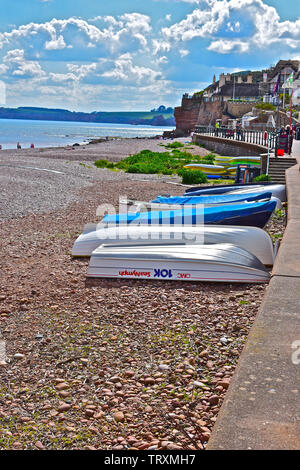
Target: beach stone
column 39, row 445
column 64, row 407
column 149, row 381
column 62, row 386
column 214, row 400
column 119, row 416
column 224, row 383
column 19, row 356
column 204, row 353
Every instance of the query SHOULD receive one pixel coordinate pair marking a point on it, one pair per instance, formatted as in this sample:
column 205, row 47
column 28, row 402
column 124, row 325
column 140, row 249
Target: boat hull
column 210, row 263
column 213, row 199
column 277, row 190
column 143, row 206
column 252, row 239
column 254, row 214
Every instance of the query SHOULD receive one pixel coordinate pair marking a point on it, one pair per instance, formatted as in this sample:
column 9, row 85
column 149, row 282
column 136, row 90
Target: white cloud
column 3, row 69
column 114, row 34
column 183, row 52
column 225, row 47
column 160, row 46
column 82, row 71
column 216, row 16
column 16, row 64
column 55, row 44
column 124, row 70
column 162, row 60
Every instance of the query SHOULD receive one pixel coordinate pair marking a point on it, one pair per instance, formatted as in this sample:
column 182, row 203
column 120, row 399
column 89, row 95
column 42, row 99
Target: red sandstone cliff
column 195, row 111
column 186, row 115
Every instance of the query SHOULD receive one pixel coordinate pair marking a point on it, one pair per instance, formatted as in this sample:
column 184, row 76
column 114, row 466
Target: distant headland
column 161, row 116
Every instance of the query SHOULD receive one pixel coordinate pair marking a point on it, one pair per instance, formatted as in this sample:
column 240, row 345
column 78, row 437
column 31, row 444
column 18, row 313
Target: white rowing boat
column 277, row 190
column 253, row 239
column 209, row 263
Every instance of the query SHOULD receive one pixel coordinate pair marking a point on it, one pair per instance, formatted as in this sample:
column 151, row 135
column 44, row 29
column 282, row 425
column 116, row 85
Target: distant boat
column 253, row 239
column 243, row 160
column 207, row 169
column 210, row 263
column 255, row 214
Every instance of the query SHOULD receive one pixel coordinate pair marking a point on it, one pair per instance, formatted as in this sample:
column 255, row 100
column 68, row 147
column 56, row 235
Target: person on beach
column 32, row 146
column 19, row 145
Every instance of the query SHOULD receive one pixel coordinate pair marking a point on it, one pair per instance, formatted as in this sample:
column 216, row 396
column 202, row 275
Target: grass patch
column 174, row 145
column 164, row 163
column 221, row 181
column 104, row 164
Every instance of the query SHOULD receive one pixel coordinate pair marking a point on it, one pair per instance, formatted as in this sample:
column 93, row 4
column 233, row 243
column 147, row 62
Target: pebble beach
column 126, row 364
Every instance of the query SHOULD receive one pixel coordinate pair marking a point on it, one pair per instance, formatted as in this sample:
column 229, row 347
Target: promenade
column 262, row 408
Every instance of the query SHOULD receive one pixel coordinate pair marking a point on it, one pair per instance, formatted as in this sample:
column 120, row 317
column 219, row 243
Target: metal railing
column 267, row 139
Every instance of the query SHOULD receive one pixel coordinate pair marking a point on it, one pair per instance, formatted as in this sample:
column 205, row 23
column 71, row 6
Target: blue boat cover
column 217, row 199
column 207, row 215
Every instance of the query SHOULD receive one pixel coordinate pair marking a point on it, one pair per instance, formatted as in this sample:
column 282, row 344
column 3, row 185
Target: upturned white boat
column 211, row 263
column 253, row 239
column 277, row 190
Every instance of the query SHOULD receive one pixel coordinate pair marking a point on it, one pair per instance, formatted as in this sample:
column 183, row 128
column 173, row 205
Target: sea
column 61, row 133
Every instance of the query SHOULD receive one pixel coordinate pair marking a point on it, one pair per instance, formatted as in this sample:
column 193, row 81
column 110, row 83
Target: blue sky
column 135, row 54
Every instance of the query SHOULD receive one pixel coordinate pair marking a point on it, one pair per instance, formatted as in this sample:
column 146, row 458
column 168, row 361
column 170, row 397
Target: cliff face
column 209, row 112
column 186, row 115
column 194, row 111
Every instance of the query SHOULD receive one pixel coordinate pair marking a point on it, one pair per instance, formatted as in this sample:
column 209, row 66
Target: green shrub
column 142, row 168
column 193, row 176
column 208, row 159
column 266, row 106
column 174, row 145
column 262, row 177
column 148, row 162
column 101, row 163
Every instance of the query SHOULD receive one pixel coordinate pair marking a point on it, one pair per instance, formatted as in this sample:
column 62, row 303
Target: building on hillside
column 296, row 89
column 243, row 86
column 234, row 95
column 282, row 70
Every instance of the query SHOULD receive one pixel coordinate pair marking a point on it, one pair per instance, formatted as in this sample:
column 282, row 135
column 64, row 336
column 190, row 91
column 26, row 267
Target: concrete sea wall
column 261, row 410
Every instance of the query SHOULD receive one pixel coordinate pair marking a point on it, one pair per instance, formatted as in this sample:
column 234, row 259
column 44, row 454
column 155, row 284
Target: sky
column 134, row 55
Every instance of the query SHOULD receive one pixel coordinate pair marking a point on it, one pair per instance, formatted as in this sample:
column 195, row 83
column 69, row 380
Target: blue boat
column 216, row 199
column 255, row 214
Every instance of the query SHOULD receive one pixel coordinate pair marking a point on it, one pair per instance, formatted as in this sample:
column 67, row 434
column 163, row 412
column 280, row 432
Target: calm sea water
column 56, row 134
